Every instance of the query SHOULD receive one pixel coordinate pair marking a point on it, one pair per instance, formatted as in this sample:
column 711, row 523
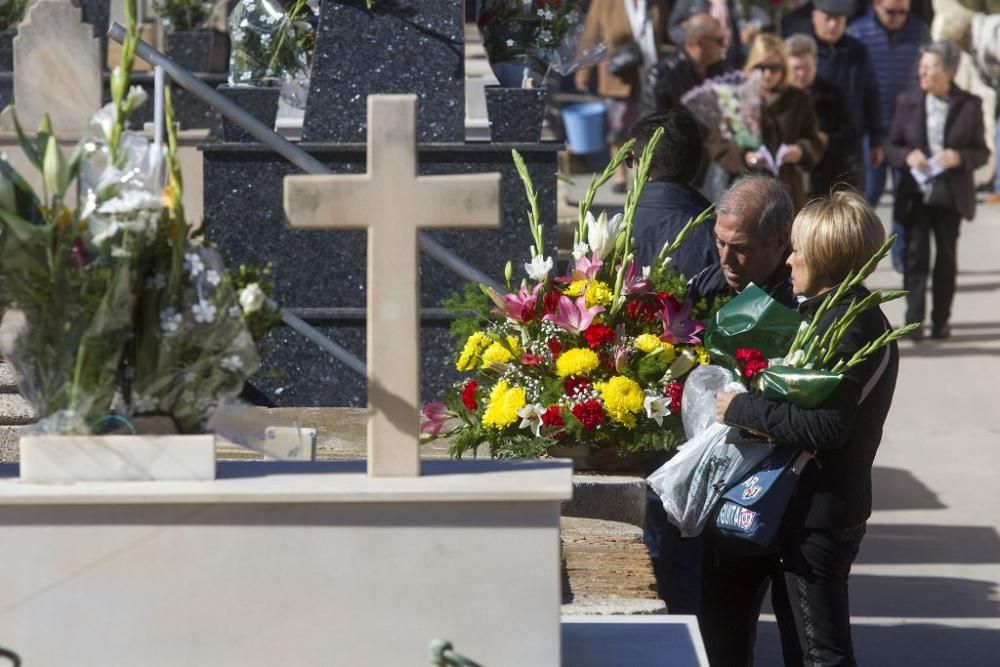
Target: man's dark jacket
column 847, row 65
column 963, row 131
column 835, row 490
column 711, row 284
column 841, row 162
column 663, row 210
column 665, row 82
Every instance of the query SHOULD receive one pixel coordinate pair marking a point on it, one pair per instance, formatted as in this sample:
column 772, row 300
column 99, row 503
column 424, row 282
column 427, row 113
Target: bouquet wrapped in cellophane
column 595, row 357
column 757, row 344
column 119, row 303
column 730, row 104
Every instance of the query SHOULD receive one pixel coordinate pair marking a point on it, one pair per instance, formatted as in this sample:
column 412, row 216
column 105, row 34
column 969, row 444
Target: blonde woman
column 789, row 130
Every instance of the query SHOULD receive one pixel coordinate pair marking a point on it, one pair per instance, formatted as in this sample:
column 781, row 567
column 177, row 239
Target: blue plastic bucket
column 585, row 127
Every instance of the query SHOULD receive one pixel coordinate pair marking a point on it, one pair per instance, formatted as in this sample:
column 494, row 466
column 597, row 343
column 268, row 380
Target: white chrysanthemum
column 232, row 363
column 170, row 320
column 252, row 298
column 213, row 277
column 204, row 312
column 193, row 264
column 141, row 403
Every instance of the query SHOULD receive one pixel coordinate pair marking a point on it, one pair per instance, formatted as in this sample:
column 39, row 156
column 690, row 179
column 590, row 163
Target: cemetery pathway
column 925, row 589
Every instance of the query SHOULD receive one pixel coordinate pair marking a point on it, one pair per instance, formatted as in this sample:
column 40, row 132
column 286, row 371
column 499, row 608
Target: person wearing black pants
column 944, row 223
column 936, row 128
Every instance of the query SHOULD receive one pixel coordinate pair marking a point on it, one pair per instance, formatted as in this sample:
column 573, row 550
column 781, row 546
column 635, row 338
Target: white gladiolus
column 539, row 267
column 602, row 233
column 251, row 298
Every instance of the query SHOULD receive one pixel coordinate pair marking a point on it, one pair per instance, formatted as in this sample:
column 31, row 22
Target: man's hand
column 917, row 160
column 824, row 139
column 876, row 156
column 949, row 158
column 792, row 155
column 722, row 401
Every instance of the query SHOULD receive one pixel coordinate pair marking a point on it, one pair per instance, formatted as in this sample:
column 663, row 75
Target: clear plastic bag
column 713, row 458
column 270, row 48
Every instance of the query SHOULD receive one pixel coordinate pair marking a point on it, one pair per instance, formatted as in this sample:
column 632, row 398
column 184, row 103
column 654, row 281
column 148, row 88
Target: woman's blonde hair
column 763, row 46
column 837, row 234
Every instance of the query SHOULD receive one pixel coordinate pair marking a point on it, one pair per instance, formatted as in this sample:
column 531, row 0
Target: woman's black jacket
column 836, row 488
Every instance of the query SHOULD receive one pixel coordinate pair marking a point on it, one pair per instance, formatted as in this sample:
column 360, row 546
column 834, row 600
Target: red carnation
column 640, row 309
column 550, row 302
column 590, row 414
column 469, row 395
column 531, row 359
column 675, row 390
column 751, row 361
column 751, row 368
column 555, row 347
column 553, row 416
column 745, row 354
column 574, row 385
column 665, row 298
column 599, row 334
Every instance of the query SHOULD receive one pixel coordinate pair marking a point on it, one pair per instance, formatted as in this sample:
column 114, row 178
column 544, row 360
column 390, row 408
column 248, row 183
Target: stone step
column 8, row 383
column 16, row 411
column 8, row 444
column 606, row 569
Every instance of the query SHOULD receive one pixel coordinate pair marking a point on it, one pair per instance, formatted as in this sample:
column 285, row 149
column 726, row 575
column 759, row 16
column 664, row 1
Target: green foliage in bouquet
column 269, row 44
column 96, row 282
column 596, row 357
column 184, row 14
column 11, row 13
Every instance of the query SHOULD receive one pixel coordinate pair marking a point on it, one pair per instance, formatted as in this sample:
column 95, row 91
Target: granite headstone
column 397, row 46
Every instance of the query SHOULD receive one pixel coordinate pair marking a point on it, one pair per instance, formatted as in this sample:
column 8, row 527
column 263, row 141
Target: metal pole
column 338, row 352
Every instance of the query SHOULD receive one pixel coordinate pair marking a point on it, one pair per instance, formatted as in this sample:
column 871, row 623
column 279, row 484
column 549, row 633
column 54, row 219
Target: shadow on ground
column 898, row 489
column 916, row 645
column 901, row 544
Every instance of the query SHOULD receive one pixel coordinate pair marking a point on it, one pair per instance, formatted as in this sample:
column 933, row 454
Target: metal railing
column 306, row 163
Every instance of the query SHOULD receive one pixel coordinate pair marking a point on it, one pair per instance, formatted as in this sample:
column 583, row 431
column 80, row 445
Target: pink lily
column 573, row 316
column 621, row 356
column 677, row 329
column 634, row 282
column 584, row 269
column 519, row 307
column 433, row 416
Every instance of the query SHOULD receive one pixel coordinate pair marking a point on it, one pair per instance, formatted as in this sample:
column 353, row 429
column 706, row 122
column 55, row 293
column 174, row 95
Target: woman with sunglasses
column 788, row 126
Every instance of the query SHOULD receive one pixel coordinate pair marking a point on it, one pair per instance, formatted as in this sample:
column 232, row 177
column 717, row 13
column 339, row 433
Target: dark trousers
column 676, row 560
column 808, row 573
column 921, row 222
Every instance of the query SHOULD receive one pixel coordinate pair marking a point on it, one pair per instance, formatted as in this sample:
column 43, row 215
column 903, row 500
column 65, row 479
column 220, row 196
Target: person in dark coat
column 698, row 57
column 825, row 521
column 844, row 61
column 668, row 201
column 727, row 12
column 787, row 120
column 835, row 167
column 937, row 127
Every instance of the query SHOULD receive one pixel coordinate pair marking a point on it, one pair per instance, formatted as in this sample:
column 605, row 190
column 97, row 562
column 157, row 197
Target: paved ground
column 925, row 588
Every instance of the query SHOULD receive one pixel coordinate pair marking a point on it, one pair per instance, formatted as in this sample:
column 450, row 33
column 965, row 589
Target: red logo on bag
column 745, row 518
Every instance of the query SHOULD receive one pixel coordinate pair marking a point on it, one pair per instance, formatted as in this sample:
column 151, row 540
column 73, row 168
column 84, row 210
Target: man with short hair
column 753, row 223
column 698, row 58
column 844, row 61
column 893, row 37
column 834, row 132
column 668, row 200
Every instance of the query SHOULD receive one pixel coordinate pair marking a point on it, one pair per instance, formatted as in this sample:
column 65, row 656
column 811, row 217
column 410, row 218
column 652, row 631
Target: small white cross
column 392, row 203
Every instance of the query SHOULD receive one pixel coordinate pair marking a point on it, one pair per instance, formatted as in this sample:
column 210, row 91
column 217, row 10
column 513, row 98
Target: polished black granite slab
column 397, row 46
column 326, row 269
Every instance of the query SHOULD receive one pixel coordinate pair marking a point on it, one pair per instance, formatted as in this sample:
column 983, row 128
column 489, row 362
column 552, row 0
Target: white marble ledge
column 247, row 482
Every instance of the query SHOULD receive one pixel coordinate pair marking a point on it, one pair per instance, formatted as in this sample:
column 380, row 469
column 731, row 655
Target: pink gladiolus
column 573, row 316
column 519, row 307
column 433, row 417
column 677, row 329
column 633, row 282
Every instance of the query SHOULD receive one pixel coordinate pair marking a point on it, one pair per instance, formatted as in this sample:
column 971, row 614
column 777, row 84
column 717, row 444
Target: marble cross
column 392, row 203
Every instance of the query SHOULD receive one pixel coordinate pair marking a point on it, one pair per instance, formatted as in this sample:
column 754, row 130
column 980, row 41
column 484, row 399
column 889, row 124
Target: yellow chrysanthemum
column 575, row 288
column 623, row 398
column 503, row 404
column 702, row 355
column 497, row 353
column 474, row 346
column 669, row 351
column 578, row 361
column 647, row 343
column 598, row 294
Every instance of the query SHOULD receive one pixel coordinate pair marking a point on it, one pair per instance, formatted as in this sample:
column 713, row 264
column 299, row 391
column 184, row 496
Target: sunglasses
column 893, row 13
column 631, row 160
column 768, row 67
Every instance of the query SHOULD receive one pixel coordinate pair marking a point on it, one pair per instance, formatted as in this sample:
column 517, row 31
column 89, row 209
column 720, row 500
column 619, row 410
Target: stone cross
column 57, row 69
column 392, row 203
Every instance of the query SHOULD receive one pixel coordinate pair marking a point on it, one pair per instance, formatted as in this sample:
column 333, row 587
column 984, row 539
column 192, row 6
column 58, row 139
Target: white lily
column 602, row 233
column 531, row 417
column 580, row 249
column 684, row 362
column 539, row 267
column 657, row 407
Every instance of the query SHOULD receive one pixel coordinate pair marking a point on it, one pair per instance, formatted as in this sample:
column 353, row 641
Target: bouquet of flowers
column 118, row 299
column 757, row 344
column 596, row 357
column 542, row 32
column 731, row 104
